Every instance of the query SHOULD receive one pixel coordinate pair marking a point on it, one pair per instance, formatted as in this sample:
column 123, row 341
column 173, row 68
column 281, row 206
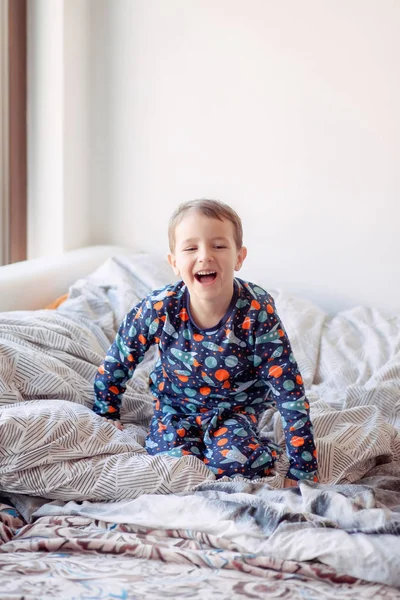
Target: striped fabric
column 53, row 445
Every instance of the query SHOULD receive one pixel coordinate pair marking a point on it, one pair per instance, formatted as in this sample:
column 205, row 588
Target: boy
column 224, row 356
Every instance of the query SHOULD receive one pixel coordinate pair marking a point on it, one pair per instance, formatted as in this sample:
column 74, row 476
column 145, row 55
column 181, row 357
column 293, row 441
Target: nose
column 205, row 254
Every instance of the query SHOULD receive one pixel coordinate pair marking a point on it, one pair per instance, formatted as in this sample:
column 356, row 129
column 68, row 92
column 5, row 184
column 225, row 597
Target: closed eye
column 189, row 249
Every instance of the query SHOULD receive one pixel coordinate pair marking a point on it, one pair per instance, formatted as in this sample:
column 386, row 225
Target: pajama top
column 242, row 364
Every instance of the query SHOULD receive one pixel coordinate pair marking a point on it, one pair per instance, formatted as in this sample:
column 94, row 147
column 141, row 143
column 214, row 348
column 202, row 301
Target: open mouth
column 206, row 277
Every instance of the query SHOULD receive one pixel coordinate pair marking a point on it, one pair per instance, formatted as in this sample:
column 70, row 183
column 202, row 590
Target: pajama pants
column 224, row 439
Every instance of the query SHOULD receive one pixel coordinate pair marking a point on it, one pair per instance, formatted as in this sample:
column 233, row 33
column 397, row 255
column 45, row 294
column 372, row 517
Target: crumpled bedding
column 53, row 446
column 350, row 365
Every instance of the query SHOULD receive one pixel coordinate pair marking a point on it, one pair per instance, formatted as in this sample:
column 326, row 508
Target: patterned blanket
column 76, row 558
column 311, row 522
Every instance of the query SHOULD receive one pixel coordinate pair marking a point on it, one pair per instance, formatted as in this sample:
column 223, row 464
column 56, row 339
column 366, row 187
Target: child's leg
column 174, row 434
column 233, row 447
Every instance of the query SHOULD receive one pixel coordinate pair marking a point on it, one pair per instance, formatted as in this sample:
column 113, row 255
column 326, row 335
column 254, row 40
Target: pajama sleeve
column 278, row 368
column 138, row 331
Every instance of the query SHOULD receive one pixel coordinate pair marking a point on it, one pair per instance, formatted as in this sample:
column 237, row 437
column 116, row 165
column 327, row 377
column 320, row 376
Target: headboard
column 33, row 284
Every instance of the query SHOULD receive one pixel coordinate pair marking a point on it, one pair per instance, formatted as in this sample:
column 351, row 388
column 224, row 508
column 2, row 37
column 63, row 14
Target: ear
column 240, row 258
column 172, row 262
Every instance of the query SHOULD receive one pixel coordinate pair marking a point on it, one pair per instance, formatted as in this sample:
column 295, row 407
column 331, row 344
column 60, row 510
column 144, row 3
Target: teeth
column 206, row 273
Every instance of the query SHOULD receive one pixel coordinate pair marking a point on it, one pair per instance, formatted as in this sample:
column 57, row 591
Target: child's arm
column 137, row 332
column 279, row 370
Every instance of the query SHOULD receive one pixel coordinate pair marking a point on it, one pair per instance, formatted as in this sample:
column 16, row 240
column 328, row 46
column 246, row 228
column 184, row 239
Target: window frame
column 17, row 106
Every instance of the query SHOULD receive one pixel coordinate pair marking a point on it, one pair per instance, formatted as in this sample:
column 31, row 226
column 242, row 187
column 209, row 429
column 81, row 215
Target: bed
column 86, row 513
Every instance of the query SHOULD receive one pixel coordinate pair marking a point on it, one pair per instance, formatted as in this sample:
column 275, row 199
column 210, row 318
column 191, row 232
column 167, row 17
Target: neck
column 207, row 314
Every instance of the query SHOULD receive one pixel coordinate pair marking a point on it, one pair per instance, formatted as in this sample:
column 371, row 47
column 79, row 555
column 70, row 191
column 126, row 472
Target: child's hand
column 290, row 483
column 116, row 424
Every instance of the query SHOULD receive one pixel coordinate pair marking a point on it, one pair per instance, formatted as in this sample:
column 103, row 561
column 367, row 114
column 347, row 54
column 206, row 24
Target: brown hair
column 213, row 209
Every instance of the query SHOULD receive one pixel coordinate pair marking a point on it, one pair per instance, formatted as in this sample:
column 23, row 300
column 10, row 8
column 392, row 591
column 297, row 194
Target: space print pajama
column 211, row 386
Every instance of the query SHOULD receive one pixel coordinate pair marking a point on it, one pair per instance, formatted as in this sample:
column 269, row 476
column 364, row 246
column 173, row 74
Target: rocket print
column 211, row 386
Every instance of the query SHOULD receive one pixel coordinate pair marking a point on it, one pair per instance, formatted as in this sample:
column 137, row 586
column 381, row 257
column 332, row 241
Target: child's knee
column 249, row 462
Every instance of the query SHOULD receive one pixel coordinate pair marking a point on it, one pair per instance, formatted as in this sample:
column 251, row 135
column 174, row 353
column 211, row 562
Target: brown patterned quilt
column 80, row 558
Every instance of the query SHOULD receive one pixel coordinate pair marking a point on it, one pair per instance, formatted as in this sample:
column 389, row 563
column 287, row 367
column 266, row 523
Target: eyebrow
column 193, row 240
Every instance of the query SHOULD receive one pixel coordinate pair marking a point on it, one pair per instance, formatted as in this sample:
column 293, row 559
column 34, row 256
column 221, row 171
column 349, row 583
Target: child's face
column 206, row 256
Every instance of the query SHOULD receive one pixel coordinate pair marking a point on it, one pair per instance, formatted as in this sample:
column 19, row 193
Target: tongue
column 207, row 278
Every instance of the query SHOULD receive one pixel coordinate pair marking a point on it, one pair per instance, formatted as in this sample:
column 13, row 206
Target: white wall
column 77, row 143
column 58, row 129
column 289, row 111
